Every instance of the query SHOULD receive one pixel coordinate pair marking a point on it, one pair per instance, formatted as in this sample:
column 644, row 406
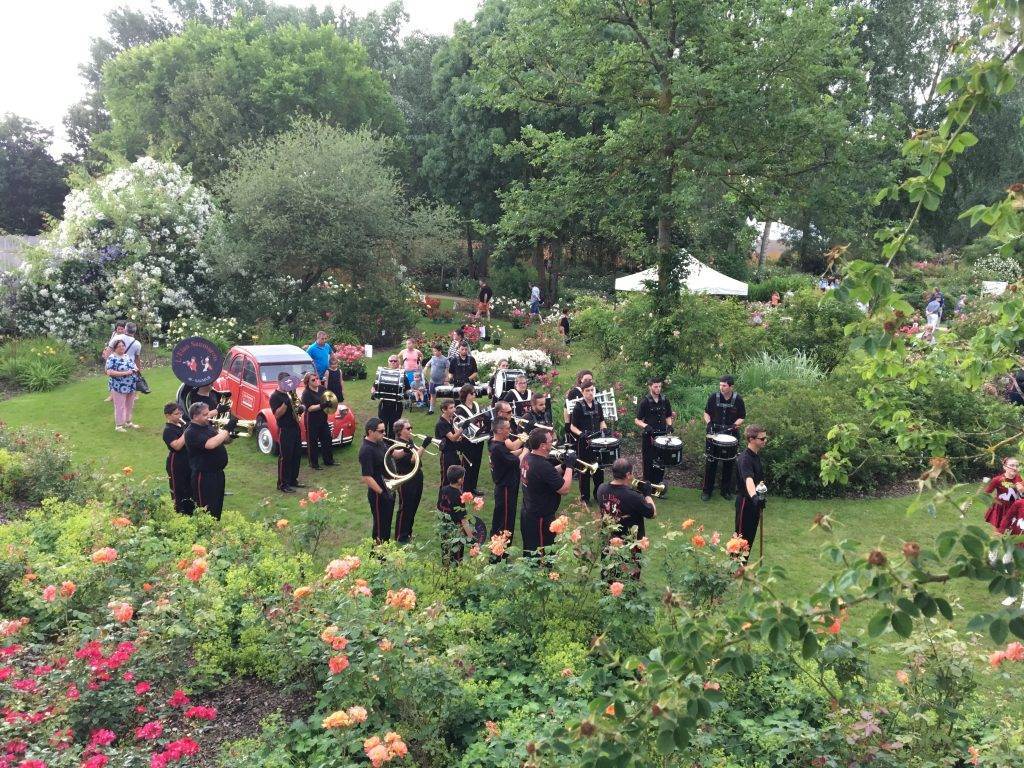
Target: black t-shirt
column 334, row 385
column 461, row 369
column 441, row 431
column 625, row 506
column 749, row 464
column 309, row 397
column 371, row 460
column 533, row 419
column 541, row 481
column 504, row 464
column 171, row 433
column 200, row 458
column 654, row 412
column 211, row 398
column 277, row 399
column 564, row 323
column 587, row 418
column 450, row 504
column 519, row 401
column 485, row 293
column 724, row 412
column 403, row 463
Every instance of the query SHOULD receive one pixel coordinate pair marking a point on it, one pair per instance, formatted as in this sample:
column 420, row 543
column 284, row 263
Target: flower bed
column 533, row 361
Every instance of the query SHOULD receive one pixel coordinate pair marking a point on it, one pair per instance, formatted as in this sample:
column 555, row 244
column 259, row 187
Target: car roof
column 276, row 353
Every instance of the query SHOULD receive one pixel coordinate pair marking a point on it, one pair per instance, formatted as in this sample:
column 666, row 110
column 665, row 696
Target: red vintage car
column 250, row 377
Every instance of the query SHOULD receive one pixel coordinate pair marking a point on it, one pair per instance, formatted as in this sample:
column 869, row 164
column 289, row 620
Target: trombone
column 224, row 422
column 524, row 423
column 558, row 454
column 657, row 490
column 410, row 446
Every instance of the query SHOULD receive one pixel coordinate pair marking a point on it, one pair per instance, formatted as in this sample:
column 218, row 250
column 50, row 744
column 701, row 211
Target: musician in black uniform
column 411, row 491
column 723, row 414
column 448, row 437
column 462, row 368
column 505, row 474
column 544, row 485
column 207, row 458
column 538, row 415
column 517, row 435
column 449, row 502
column 332, row 381
column 519, row 396
column 207, row 395
column 750, row 472
column 587, row 421
column 625, row 509
column 472, row 451
column 288, row 438
column 583, row 378
column 179, row 473
column 390, row 410
column 371, row 470
column 318, row 425
column 654, row 417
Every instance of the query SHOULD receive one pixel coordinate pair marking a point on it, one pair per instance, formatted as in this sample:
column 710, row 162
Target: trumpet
column 410, row 446
column 652, row 489
column 558, row 455
column 225, row 422
column 524, row 423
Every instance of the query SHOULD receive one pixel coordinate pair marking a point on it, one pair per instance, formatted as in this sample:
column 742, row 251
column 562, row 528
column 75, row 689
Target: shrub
column 767, row 371
column 781, row 283
column 466, row 287
column 815, row 324
column 37, row 364
column 996, row 267
column 34, row 465
column 512, row 281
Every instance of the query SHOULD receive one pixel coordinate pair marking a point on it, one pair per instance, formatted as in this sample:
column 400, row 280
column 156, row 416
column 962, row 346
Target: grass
column 79, row 412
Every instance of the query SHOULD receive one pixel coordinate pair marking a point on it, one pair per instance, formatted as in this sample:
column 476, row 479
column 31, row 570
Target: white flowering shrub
column 533, row 361
column 996, row 267
column 129, row 245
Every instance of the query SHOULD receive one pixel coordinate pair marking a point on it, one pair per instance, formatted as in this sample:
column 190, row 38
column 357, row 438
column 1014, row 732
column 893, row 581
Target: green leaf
column 944, row 608
column 666, row 742
column 1016, row 626
column 999, row 629
column 967, row 139
column 809, row 649
column 902, row 624
column 879, row 622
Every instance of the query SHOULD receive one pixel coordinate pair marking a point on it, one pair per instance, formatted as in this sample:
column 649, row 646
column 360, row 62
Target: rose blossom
column 616, row 588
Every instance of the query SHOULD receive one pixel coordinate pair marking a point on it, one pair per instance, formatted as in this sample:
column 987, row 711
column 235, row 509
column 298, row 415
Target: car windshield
column 270, row 371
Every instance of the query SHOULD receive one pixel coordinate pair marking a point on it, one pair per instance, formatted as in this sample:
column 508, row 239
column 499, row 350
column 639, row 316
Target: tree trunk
column 470, row 256
column 764, row 245
column 556, row 251
column 539, row 265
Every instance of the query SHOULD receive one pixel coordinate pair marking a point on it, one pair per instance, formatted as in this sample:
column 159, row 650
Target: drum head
column 668, row 441
column 604, row 442
column 724, row 439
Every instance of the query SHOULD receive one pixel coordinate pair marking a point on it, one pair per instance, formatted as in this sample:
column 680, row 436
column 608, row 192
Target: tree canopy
column 32, row 183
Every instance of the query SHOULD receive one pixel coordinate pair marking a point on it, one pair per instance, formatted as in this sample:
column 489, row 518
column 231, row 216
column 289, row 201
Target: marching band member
column 472, row 452
column 724, row 413
column 492, row 384
column 289, row 440
column 517, row 436
column 625, row 509
column 450, row 502
column 207, row 458
column 520, row 396
column 205, row 395
column 318, row 426
column 371, row 469
column 654, row 417
column 543, row 489
column 583, row 378
column 332, row 379
column 411, row 491
column 179, row 473
column 750, row 494
column 505, row 474
column 462, row 368
column 537, row 415
column 390, row 411
column 587, row 421
column 448, row 438
column 1008, row 487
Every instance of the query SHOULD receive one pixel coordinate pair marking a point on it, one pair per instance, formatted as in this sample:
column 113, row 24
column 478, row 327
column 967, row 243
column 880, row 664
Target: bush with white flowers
column 533, row 361
column 129, row 245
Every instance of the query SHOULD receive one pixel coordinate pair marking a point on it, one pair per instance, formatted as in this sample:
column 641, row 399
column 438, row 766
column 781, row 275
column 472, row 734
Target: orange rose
column 338, row 664
column 104, row 555
column 302, row 592
column 120, row 522
column 67, row 588
column 199, row 550
column 121, row 611
column 698, row 540
column 559, row 524
column 127, row 471
column 616, row 588
column 281, row 524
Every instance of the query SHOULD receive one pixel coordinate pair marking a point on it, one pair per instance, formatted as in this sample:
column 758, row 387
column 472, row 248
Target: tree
column 681, row 100
column 199, row 94
column 32, row 185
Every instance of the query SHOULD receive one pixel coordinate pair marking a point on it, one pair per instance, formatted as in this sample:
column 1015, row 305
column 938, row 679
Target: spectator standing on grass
column 435, row 373
column 411, row 359
column 933, row 312
column 535, row 302
column 118, row 331
column 961, row 306
column 320, row 351
column 122, row 378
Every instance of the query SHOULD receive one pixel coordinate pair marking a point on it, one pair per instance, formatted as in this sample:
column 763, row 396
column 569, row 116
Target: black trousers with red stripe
column 179, row 478
column 504, row 518
column 653, row 473
column 748, row 516
column 473, row 457
column 536, row 532
column 318, row 440
column 382, row 508
column 288, row 458
column 208, row 491
column 409, row 495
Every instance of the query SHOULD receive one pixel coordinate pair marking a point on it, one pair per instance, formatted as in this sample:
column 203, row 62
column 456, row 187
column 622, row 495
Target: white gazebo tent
column 700, row 278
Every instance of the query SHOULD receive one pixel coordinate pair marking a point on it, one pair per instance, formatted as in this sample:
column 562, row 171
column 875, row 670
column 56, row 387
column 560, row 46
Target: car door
column 233, row 378
column 248, row 391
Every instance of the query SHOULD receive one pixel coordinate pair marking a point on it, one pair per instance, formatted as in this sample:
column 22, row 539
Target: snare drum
column 668, row 451
column 721, row 447
column 447, row 390
column 481, row 390
column 605, row 450
column 389, row 384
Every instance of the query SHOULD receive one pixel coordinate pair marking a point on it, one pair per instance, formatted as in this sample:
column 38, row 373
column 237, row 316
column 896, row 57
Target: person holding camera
column 750, row 497
column 371, row 470
column 543, row 485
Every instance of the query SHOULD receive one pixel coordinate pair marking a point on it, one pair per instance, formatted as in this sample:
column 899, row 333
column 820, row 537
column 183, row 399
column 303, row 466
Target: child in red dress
column 1009, row 490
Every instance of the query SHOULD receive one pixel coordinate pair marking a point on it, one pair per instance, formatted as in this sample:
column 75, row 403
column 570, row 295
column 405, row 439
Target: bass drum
column 721, row 447
column 605, row 450
column 668, row 451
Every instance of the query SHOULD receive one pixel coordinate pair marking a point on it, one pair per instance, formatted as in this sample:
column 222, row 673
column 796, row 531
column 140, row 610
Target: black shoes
column 705, row 497
column 286, row 489
column 317, row 469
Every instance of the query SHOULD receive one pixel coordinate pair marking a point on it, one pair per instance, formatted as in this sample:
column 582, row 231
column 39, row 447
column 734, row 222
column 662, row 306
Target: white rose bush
column 533, row 361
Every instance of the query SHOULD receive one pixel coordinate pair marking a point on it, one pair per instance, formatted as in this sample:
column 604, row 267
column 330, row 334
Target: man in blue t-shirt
column 320, row 351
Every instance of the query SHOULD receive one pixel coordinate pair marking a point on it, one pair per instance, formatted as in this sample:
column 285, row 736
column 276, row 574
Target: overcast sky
column 42, row 43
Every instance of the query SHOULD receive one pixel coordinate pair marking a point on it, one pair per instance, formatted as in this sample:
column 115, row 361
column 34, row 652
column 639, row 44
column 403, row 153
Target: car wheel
column 265, row 440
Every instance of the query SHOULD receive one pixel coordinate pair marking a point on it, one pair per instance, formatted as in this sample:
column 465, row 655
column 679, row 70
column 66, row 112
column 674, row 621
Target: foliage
column 129, row 246
column 512, row 280
column 222, row 331
column 36, row 364
column 780, row 283
column 32, row 185
column 33, row 466
column 815, row 324
column 767, row 371
column 202, row 93
column 996, row 267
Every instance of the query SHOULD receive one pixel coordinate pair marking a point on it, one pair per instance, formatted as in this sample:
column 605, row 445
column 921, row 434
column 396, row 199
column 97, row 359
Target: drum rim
column 723, row 438
column 605, row 442
column 668, row 441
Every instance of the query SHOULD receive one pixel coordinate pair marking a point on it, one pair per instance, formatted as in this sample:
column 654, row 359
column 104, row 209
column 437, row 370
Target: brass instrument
column 403, row 444
column 329, row 402
column 657, row 489
column 297, row 407
column 394, row 480
column 524, row 423
column 248, row 425
column 558, row 453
